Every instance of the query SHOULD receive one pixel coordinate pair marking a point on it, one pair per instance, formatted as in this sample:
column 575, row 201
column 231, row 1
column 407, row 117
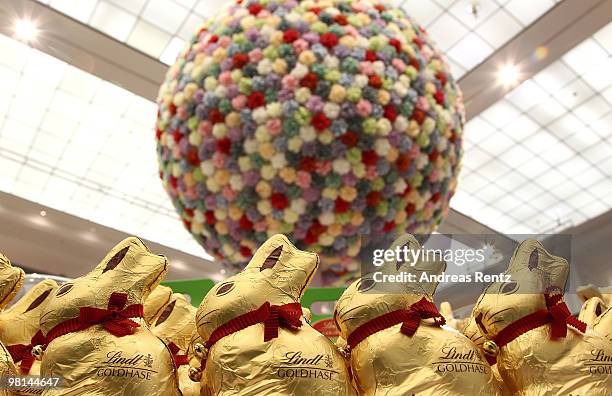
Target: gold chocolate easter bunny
column 255, row 338
column 97, row 339
column 526, row 328
column 175, row 326
column 396, row 342
column 11, row 280
column 20, row 326
column 156, row 302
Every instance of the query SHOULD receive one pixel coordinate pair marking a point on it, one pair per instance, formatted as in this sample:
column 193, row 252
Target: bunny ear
column 536, row 270
column 291, row 268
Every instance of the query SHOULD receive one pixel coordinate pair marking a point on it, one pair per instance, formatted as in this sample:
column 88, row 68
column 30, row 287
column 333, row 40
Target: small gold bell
column 195, row 374
column 200, row 351
column 490, row 348
column 37, row 352
column 345, row 351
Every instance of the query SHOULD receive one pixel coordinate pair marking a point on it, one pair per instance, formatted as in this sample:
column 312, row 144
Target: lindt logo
column 452, row 360
column 296, row 365
column 600, row 362
column 134, row 366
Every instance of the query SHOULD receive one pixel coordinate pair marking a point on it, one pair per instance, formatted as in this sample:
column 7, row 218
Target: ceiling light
column 43, row 213
column 26, row 30
column 508, row 75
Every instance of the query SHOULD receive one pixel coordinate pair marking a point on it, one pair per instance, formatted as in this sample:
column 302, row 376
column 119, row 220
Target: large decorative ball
column 323, row 120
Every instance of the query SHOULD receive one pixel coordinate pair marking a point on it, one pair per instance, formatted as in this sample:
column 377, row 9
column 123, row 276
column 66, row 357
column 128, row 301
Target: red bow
column 561, row 317
column 23, row 353
column 179, row 360
column 409, row 318
column 272, row 316
column 115, row 319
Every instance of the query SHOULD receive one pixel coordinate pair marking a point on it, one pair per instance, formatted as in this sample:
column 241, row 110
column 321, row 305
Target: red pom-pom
column 239, row 60
column 172, row 109
column 369, row 157
column 389, row 226
column 215, row 116
column 403, row 162
column 373, row 198
column 245, row 251
column 245, row 223
column 433, row 156
column 371, row 56
column 396, row 44
column 349, row 139
column 177, row 135
column 329, row 40
column 439, row 97
column 254, row 9
column 390, row 113
column 192, row 156
column 255, row 100
column 320, row 122
column 279, row 201
column 309, row 81
column 224, row 145
column 341, row 206
column 291, row 35
column 419, row 116
column 375, row 81
column 308, row 164
column 410, row 209
column 210, row 217
column 341, row 20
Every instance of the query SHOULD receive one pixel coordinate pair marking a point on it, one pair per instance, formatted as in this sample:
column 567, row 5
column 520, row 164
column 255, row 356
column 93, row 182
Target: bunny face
column 365, row 299
column 176, row 323
column 278, row 273
column 156, row 302
column 20, row 322
column 533, row 272
column 11, row 280
column 128, row 268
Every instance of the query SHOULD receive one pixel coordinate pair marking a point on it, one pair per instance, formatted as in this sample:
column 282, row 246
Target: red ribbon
column 287, row 316
column 23, row 353
column 556, row 313
column 115, row 319
column 410, row 319
column 179, row 360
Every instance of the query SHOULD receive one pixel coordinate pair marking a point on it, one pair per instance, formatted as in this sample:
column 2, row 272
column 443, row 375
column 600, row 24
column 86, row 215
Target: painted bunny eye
column 166, row 314
column 533, row 260
column 39, row 300
column 509, row 288
column 366, row 284
column 116, row 259
column 64, row 289
column 272, row 259
column 225, row 288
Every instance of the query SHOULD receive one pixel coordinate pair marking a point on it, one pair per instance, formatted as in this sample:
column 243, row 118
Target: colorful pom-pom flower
column 321, row 119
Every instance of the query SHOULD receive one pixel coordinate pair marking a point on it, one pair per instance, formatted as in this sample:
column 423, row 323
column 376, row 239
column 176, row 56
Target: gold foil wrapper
column 176, row 323
column 156, row 302
column 303, row 362
column 11, row 280
column 95, row 362
column 434, row 361
column 533, row 364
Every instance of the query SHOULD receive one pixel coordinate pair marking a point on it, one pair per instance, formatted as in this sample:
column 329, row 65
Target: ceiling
column 160, row 28
column 539, row 160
